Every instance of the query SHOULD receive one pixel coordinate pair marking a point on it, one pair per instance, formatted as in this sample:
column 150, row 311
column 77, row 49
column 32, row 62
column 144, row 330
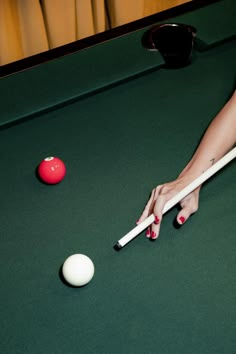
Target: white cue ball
column 78, row 270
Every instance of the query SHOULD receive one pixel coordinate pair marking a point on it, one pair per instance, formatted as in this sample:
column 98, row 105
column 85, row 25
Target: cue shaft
column 178, row 197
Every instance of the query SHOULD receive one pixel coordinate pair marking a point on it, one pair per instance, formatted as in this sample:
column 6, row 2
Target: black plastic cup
column 174, row 41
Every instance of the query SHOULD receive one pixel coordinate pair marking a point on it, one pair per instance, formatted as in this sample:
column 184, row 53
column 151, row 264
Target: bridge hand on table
column 160, row 195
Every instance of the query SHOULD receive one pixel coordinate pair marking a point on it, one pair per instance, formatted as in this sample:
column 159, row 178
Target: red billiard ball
column 52, row 170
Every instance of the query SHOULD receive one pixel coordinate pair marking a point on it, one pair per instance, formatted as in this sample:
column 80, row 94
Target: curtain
column 22, row 30
column 75, row 19
column 28, row 27
column 124, row 11
column 152, row 7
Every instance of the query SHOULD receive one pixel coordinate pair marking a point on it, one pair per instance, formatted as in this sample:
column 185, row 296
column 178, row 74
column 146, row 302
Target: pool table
column 122, row 123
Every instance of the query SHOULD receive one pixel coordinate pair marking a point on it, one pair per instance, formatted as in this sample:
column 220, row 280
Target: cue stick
column 178, row 197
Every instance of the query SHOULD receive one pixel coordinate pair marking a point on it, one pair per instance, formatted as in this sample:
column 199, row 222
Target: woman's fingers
column 148, row 210
column 189, row 206
column 155, row 205
column 160, row 200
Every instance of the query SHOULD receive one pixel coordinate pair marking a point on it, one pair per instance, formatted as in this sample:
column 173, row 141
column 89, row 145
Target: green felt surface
column 214, row 23
column 69, row 78
column 73, row 76
column 173, row 296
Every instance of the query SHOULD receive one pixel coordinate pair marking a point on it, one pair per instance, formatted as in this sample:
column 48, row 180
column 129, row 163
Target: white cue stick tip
column 178, row 197
column 117, row 246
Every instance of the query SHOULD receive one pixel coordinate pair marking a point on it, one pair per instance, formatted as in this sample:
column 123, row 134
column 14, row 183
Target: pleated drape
column 28, row 27
column 22, row 30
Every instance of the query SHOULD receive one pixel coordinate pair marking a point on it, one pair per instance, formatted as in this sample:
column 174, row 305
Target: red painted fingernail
column 137, row 221
column 182, row 219
column 153, row 234
column 157, row 220
column 148, row 233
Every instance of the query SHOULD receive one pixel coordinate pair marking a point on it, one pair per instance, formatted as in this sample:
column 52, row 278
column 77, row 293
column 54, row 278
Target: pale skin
column 218, row 139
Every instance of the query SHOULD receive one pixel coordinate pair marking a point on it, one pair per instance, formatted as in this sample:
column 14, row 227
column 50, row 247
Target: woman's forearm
column 219, row 138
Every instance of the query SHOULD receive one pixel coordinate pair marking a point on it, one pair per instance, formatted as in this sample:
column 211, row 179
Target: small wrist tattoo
column 212, row 161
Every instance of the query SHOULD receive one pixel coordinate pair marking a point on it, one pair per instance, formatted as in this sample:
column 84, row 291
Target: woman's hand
column 163, row 193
